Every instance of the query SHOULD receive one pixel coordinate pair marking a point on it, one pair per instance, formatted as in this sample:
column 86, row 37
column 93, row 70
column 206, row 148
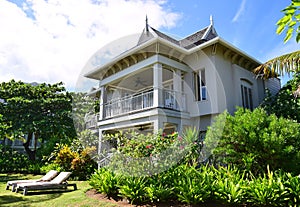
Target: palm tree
column 287, row 63
column 278, row 66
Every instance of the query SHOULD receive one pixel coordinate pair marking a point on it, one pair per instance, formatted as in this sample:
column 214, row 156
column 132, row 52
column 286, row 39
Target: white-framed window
column 247, row 94
column 200, row 85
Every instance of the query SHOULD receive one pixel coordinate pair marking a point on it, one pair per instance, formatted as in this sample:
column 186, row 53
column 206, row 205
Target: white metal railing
column 174, row 100
column 91, row 120
column 144, row 100
column 105, row 161
column 136, row 102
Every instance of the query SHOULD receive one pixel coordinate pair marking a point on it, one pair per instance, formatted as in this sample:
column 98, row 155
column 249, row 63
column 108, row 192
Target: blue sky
column 51, row 41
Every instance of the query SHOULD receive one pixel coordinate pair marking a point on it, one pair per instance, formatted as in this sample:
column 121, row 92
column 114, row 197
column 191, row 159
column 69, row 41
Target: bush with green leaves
column 79, row 162
column 229, row 185
column 139, row 154
column 186, row 184
column 286, row 103
column 268, row 190
column 106, row 182
column 252, row 140
column 195, row 185
column 13, row 161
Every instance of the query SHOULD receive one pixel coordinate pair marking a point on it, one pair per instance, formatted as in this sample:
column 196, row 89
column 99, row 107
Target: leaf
column 284, row 19
column 298, row 38
column 292, row 23
column 289, row 34
column 280, row 28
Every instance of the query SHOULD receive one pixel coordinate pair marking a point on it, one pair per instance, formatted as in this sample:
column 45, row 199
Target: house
column 169, row 84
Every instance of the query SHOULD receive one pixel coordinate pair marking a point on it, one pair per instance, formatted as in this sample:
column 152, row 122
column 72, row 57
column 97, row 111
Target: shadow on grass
column 30, row 198
column 9, row 199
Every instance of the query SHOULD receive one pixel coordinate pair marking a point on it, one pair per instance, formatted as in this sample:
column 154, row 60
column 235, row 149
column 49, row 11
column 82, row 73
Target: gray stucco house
column 170, row 84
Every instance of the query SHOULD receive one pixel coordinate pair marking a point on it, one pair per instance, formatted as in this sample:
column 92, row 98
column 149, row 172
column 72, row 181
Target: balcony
column 143, row 101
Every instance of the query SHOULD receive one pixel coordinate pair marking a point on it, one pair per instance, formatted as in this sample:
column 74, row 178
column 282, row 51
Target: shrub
column 268, row 190
column 254, row 140
column 79, row 162
column 134, row 189
column 106, row 181
column 229, row 185
column 13, row 161
column 140, row 155
column 284, row 103
column 194, row 186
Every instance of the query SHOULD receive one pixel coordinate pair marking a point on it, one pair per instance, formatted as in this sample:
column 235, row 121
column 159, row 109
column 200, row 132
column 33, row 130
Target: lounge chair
column 59, row 182
column 49, row 176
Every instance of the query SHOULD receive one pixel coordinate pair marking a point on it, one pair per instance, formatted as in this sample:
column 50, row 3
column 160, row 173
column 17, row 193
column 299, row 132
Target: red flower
column 181, row 147
column 149, row 146
column 163, row 134
column 179, row 138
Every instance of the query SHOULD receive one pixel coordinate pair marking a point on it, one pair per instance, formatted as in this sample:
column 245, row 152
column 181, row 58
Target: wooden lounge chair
column 59, row 182
column 49, row 176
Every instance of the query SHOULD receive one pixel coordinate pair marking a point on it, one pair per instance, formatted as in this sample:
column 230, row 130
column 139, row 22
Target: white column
column 102, row 101
column 100, row 145
column 177, row 84
column 157, row 84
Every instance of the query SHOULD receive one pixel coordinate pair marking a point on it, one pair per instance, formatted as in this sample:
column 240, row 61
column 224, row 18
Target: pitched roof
column 188, row 42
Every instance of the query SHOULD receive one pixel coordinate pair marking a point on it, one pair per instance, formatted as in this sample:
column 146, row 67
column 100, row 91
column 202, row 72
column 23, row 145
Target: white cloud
column 55, row 45
column 240, row 11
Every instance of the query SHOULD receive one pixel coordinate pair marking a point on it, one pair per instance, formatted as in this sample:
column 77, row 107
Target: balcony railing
column 91, row 120
column 129, row 104
column 144, row 100
column 174, row 100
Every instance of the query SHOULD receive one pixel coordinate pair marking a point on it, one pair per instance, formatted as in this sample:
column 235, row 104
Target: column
column 157, row 84
column 177, row 84
column 102, row 101
column 99, row 146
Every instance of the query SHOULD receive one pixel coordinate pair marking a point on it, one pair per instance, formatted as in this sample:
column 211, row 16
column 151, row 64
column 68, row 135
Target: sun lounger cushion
column 58, row 182
column 49, row 176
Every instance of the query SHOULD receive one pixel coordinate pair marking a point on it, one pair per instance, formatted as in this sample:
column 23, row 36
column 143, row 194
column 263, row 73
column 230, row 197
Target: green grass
column 55, row 198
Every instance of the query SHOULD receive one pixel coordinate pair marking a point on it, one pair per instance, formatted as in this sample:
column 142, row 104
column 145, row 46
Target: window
column 246, row 91
column 200, row 85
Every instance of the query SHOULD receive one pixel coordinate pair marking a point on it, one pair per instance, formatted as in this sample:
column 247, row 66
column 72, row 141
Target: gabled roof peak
column 188, row 42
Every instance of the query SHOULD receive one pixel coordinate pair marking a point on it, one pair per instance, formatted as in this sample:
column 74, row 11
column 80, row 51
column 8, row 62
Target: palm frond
column 278, row 66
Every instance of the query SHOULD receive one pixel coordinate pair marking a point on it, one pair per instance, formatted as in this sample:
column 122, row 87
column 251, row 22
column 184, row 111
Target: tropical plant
column 106, row 181
column 292, row 185
column 194, row 186
column 290, row 21
column 229, row 185
column 134, row 189
column 251, row 140
column 268, row 190
column 290, row 62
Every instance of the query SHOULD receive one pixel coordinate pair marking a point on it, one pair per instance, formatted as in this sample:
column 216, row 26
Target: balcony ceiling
column 142, row 80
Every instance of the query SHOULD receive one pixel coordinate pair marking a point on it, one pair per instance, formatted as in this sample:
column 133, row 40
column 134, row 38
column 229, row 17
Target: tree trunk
column 30, row 153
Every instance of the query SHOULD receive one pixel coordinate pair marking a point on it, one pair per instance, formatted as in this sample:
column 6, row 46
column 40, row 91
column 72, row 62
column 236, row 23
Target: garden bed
column 92, row 193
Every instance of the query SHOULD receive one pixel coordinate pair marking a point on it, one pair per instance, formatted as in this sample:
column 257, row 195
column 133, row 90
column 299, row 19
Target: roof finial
column 147, row 29
column 211, row 20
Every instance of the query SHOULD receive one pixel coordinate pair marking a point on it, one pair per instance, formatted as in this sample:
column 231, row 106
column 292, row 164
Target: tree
column 287, row 63
column 41, row 111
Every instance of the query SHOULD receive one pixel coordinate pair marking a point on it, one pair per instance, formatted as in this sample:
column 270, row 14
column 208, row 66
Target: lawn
column 55, row 198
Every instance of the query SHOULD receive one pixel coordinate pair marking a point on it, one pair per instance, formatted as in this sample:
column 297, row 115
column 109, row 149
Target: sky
column 52, row 40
